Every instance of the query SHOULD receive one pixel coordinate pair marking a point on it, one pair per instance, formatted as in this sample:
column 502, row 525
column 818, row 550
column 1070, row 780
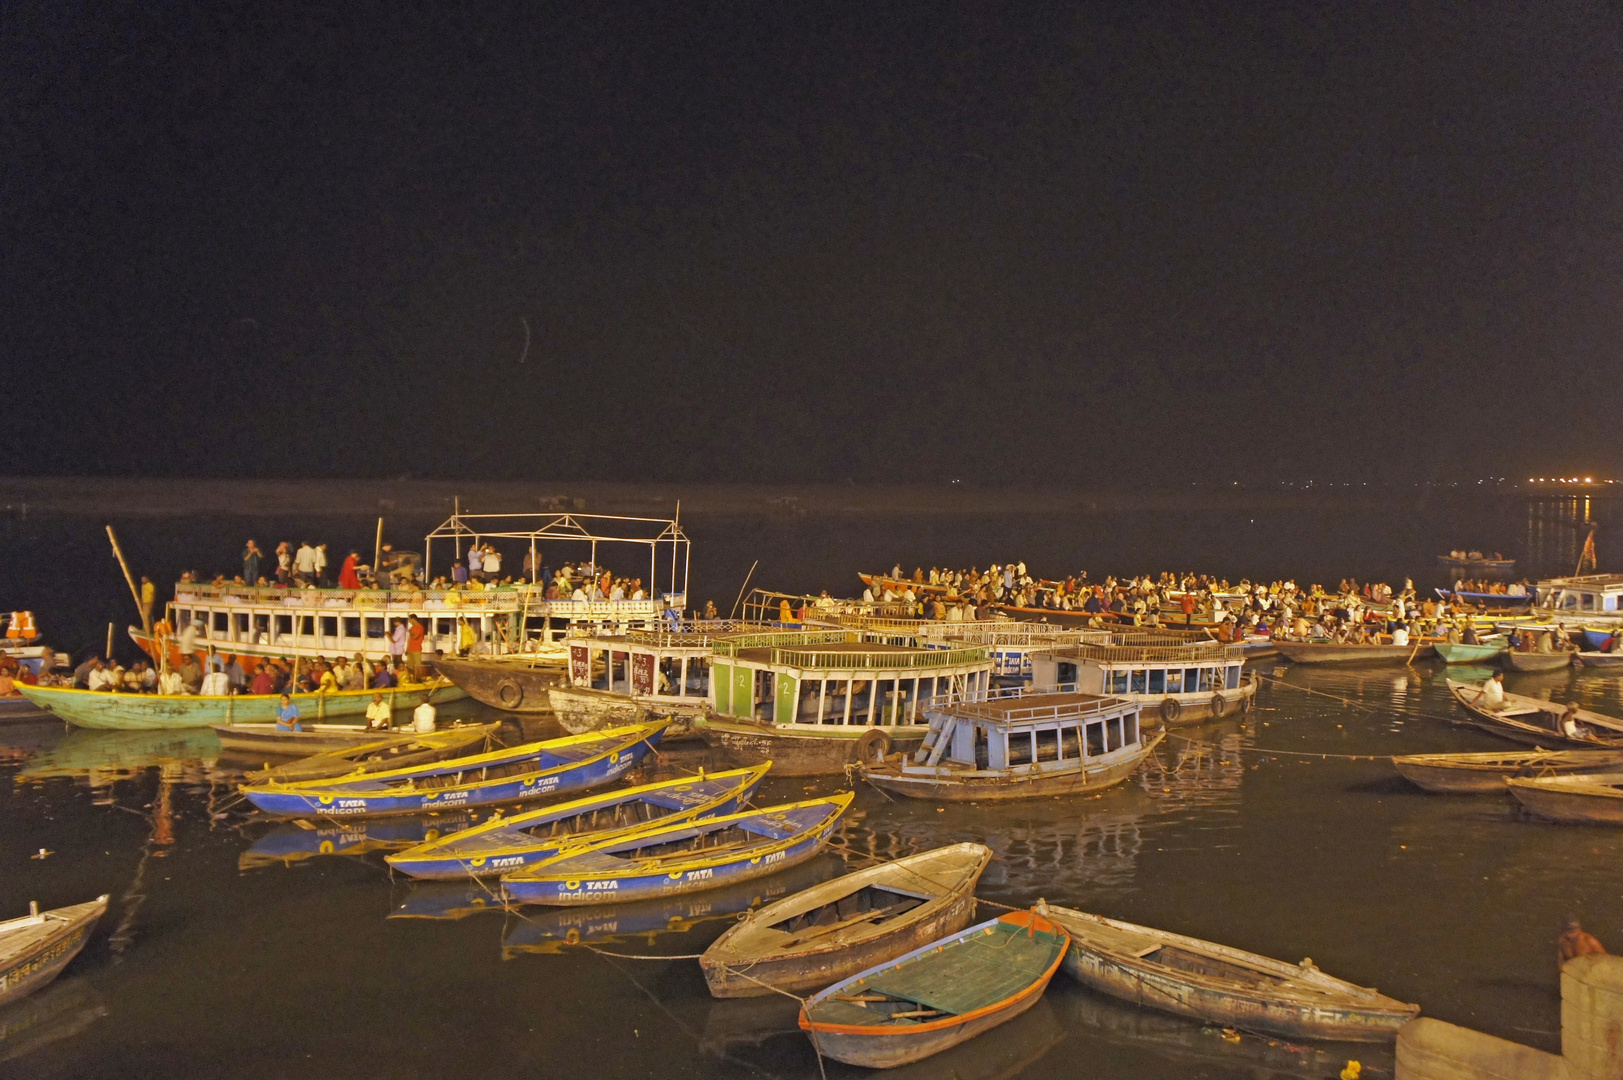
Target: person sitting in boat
column 1575, row 942
column 215, row 684
column 385, row 678
column 379, row 716
column 1400, row 634
column 1492, row 694
column 1469, row 636
column 287, row 716
column 263, row 682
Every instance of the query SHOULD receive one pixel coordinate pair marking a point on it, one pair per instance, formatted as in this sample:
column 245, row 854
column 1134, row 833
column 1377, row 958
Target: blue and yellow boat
column 505, row 844
column 676, row 859
column 531, row 771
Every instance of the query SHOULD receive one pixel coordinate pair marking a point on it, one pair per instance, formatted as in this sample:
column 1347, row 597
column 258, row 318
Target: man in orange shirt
column 1574, row 942
column 414, row 648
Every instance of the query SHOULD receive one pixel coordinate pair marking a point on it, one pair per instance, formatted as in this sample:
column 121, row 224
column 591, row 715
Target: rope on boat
column 1291, row 753
column 1346, row 700
column 641, row 956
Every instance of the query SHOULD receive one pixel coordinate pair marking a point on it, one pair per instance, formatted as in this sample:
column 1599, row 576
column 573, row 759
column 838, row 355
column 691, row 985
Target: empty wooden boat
column 385, row 752
column 1329, row 652
column 840, row 927
column 1454, row 653
column 1535, row 661
column 1473, row 774
column 35, row 948
column 937, row 996
column 1535, row 722
column 270, row 741
column 669, row 860
column 531, row 771
column 1222, row 985
column 1579, row 798
column 504, row 844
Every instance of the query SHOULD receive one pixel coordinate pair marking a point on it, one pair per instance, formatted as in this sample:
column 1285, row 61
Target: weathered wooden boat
column 297, row 840
column 1222, row 985
column 36, row 947
column 1453, row 653
column 1515, row 660
column 398, row 751
column 838, row 928
column 1535, row 722
column 1183, row 682
column 531, row 771
column 267, row 740
column 1017, row 744
column 1485, row 773
column 508, row 843
column 1488, row 601
column 668, row 860
column 130, row 712
column 1578, row 798
column 1609, row 661
column 516, row 684
column 633, row 676
column 809, row 701
column 937, row 996
column 1328, row 652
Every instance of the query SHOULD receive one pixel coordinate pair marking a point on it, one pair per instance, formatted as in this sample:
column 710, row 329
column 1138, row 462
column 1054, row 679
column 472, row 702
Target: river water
column 241, row 948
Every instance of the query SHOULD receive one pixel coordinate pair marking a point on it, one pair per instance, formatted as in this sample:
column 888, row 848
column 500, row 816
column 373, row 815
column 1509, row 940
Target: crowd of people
column 215, row 675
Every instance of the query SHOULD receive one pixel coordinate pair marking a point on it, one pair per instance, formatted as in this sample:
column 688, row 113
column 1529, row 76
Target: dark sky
column 1104, row 244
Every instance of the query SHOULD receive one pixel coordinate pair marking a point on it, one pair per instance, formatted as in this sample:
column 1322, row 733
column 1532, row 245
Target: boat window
column 200, row 623
column 1020, row 748
column 1066, row 674
column 307, row 625
column 1138, row 681
column 1190, row 675
column 242, row 625
column 1070, row 742
column 1096, row 739
column 329, row 626
column 222, row 622
column 261, row 629
column 1158, row 681
column 183, row 619
column 1113, row 730
column 374, row 628
column 1588, row 602
column 1175, row 681
column 1205, row 679
column 284, row 626
column 1129, row 726
column 1118, row 682
column 1047, row 745
column 1233, row 679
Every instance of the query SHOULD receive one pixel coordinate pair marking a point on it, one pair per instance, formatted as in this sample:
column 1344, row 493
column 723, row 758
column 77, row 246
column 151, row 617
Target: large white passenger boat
column 256, row 623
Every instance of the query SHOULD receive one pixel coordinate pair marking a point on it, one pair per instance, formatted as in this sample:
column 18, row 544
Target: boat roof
column 1151, row 653
column 1043, row 708
column 1585, row 581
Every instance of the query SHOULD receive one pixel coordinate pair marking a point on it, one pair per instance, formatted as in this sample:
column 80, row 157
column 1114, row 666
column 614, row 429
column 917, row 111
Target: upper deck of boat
column 1042, row 708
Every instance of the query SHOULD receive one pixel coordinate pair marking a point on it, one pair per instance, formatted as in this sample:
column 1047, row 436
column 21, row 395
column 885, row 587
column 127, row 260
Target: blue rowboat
column 506, row 844
column 685, row 858
column 531, row 771
column 1594, row 639
column 144, row 712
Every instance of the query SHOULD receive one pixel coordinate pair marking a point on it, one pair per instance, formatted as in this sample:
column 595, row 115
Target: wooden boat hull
column 33, row 955
column 1489, row 601
column 1245, row 990
column 886, row 1045
column 580, row 710
column 1569, row 799
column 1535, row 661
column 736, row 967
column 381, row 754
column 1199, row 709
column 922, row 782
column 314, row 739
column 794, row 753
column 1467, row 654
column 511, row 685
column 1607, row 661
column 1478, row 774
column 1300, row 652
column 1507, row 722
column 136, row 712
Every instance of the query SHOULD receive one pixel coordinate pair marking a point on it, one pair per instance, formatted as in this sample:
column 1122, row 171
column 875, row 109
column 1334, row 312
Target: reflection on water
column 103, row 758
column 295, row 841
column 1556, row 528
column 60, row 1011
column 1197, row 770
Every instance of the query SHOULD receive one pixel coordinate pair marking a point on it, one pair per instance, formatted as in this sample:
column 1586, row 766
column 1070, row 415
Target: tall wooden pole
column 146, row 619
column 377, row 554
column 110, row 644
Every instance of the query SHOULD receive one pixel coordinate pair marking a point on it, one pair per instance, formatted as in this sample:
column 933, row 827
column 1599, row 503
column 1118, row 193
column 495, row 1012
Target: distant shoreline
column 166, row 497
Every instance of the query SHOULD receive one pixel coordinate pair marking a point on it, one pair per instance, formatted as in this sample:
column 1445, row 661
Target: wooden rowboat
column 130, row 712
column 505, row 844
column 1472, row 774
column 669, row 860
column 1608, row 660
column 938, row 996
column 267, row 740
column 384, row 753
column 35, row 948
column 1452, row 653
column 1327, row 652
column 1535, row 661
column 1534, row 722
column 1222, row 985
column 1580, row 798
column 840, row 927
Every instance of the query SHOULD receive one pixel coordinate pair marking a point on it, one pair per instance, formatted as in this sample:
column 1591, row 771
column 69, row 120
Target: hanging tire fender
column 872, row 746
column 1171, row 709
column 509, row 693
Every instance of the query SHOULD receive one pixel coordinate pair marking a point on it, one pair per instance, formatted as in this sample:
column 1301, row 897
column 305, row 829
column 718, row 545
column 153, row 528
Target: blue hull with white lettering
column 681, row 859
column 532, row 771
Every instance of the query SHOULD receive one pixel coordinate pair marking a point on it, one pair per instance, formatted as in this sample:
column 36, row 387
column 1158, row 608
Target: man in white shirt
column 216, row 684
column 1492, row 694
column 1400, row 634
column 99, row 679
column 304, row 562
column 170, row 683
column 492, row 563
column 423, row 717
column 378, row 714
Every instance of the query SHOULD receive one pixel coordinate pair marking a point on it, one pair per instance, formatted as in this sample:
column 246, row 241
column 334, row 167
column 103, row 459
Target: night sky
column 1096, row 244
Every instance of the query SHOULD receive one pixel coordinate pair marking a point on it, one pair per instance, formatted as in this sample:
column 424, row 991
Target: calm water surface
column 247, row 948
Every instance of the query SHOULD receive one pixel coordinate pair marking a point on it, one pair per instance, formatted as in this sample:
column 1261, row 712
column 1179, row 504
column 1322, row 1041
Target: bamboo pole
column 110, row 643
column 146, row 620
column 377, row 553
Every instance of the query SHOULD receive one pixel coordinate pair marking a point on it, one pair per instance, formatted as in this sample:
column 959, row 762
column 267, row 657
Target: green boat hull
column 155, row 712
column 1468, row 654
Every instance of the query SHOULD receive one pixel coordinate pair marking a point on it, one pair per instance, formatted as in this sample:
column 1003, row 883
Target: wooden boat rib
column 840, row 927
column 937, row 996
column 531, row 771
column 1581, row 798
column 1222, row 985
column 36, row 947
column 505, row 844
column 1537, row 723
column 1535, row 661
column 129, row 712
column 1315, row 652
column 385, row 754
column 668, row 860
column 1485, row 773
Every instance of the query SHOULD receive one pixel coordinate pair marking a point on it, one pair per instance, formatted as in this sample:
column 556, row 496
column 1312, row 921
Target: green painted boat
column 149, row 712
column 1470, row 654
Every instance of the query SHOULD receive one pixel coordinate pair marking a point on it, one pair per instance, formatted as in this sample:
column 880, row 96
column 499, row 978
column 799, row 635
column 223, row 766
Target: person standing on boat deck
column 414, row 648
column 149, row 599
column 459, row 573
column 1187, row 605
column 304, row 564
column 1575, row 942
column 397, row 643
column 321, row 565
column 378, row 714
column 251, row 555
column 287, row 716
column 348, row 577
column 476, row 563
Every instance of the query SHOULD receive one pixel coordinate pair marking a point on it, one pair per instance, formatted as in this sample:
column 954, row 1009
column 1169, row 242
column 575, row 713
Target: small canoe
column 937, row 996
column 382, row 754
column 1609, row 660
column 1469, row 654
column 129, row 712
column 1579, row 798
column 689, row 857
column 35, row 948
column 1535, row 722
column 505, row 844
column 1222, row 985
column 266, row 740
column 531, row 771
column 1327, row 652
column 1535, row 661
column 838, row 928
column 1473, row 774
